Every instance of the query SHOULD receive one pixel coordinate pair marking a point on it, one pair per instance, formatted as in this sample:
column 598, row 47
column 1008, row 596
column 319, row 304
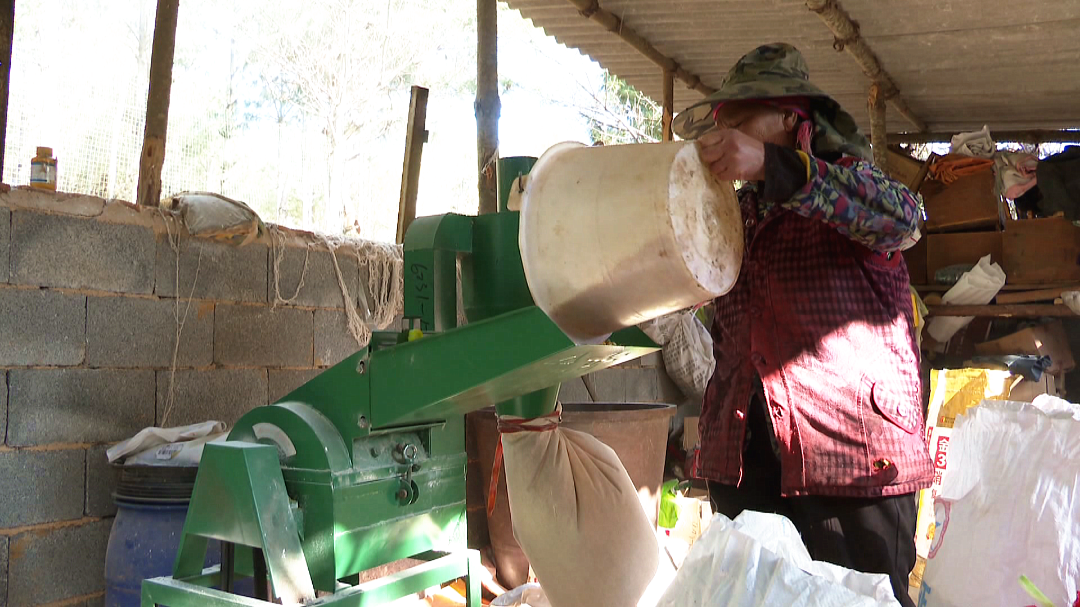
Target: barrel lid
column 155, row 484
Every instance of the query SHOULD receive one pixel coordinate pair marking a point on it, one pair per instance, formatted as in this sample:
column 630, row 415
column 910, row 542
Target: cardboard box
column 690, row 437
column 969, row 203
column 1043, row 340
column 915, row 258
column 943, row 250
column 1041, row 251
column 904, row 168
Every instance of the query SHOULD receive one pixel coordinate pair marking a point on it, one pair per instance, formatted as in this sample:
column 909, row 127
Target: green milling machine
column 365, row 464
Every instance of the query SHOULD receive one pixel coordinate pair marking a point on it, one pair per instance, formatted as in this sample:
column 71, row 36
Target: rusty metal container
column 637, row 432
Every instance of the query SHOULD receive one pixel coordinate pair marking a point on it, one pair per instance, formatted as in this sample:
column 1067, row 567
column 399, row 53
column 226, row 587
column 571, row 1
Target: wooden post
column 415, row 138
column 7, row 33
column 669, row 105
column 157, row 103
column 878, row 137
column 487, row 104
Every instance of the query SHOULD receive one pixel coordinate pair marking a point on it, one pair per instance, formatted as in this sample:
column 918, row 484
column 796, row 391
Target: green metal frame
column 365, row 464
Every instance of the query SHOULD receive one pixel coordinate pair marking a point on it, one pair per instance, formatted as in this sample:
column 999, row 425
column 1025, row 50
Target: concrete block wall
column 88, row 329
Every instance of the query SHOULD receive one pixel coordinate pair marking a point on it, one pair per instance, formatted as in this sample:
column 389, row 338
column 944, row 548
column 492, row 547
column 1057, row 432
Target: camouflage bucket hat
column 775, row 71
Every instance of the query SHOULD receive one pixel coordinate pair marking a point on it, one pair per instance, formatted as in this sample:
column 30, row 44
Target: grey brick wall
column 5, row 237
column 283, row 381
column 59, row 251
column 136, row 332
column 58, row 563
column 333, row 342
column 42, row 327
column 259, row 336
column 320, row 288
column 41, row 486
column 100, row 483
column 211, row 270
column 78, row 405
column 220, row 394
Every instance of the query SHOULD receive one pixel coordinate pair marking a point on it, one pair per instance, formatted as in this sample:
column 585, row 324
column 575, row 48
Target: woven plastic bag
column 760, row 559
column 577, row 515
column 1009, row 507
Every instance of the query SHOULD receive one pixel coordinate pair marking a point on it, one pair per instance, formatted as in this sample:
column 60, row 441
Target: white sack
column 529, row 595
column 759, row 559
column 150, row 438
column 976, row 287
column 1009, row 506
column 578, row 518
column 687, row 351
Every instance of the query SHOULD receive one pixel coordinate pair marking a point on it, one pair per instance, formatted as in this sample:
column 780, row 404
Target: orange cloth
column 954, row 166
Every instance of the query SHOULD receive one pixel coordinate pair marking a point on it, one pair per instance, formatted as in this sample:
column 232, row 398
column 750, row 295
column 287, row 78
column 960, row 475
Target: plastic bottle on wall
column 43, row 170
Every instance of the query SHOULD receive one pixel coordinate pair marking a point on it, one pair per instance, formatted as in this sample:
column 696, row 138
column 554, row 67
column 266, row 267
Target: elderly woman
column 814, row 410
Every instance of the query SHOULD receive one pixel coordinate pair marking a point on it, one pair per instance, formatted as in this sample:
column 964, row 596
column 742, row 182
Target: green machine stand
column 365, row 464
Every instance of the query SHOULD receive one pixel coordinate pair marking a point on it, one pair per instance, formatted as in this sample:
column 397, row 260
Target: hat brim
column 697, row 119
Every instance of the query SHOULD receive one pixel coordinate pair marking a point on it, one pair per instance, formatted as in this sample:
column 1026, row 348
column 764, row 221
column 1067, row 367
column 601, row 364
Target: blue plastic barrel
column 152, row 503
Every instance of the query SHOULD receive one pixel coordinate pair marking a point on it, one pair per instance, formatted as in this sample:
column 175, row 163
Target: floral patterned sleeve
column 859, row 201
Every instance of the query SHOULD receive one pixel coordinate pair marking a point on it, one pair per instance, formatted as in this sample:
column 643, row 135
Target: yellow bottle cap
column 46, row 152
column 415, row 334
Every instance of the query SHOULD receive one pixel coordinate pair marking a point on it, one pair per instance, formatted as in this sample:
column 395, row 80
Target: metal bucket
column 613, row 236
column 637, row 432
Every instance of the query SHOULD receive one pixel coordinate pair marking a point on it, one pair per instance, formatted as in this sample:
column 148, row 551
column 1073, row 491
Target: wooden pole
column 591, row 9
column 7, row 34
column 1005, row 311
column 669, row 105
column 878, row 137
column 1033, row 136
column 487, row 106
column 157, row 103
column 846, row 36
column 415, row 138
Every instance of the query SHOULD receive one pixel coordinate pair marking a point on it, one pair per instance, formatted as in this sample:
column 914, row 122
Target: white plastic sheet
column 1009, row 506
column 179, row 446
column 976, row 287
column 976, row 143
column 759, row 559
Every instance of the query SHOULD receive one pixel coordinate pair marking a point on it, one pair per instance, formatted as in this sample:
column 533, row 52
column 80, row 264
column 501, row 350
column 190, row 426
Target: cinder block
column 41, row 327
column 3, row 567
column 333, row 342
column 224, row 272
column 3, row 408
column 78, row 405
column 5, row 243
column 574, row 391
column 57, row 564
column 133, row 332
column 101, row 479
column 41, row 486
column 653, row 360
column 283, row 381
column 97, row 601
column 609, row 385
column 261, row 336
column 668, row 391
column 62, row 251
column 218, row 394
column 320, row 288
column 641, row 385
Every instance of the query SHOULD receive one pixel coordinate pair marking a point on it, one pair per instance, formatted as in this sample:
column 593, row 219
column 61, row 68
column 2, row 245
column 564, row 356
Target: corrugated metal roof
column 959, row 64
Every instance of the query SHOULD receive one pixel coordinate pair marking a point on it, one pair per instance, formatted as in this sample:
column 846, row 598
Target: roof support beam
column 1013, row 136
column 847, row 37
column 879, row 138
column 668, row 106
column 590, row 9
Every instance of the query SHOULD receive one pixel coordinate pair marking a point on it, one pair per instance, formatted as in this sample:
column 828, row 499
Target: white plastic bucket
column 613, row 236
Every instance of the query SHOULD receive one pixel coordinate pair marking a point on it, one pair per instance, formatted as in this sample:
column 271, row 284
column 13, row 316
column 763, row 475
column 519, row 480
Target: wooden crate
column 969, row 203
column 1041, row 251
column 944, row 250
column 915, row 258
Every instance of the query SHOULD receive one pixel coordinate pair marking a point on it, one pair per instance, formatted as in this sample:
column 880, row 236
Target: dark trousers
column 874, row 535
